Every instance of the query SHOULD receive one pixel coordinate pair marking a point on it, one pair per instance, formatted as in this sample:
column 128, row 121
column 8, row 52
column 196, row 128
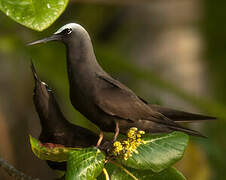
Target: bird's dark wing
column 178, row 116
column 117, row 100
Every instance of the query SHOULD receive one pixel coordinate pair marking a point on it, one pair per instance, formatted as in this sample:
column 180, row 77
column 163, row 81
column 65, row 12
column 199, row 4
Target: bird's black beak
column 54, row 37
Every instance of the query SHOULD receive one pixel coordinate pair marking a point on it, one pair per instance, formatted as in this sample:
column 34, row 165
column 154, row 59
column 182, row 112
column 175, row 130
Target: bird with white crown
column 105, row 101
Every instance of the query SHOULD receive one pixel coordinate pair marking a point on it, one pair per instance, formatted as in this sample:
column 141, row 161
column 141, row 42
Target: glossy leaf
column 117, row 173
column 159, row 152
column 57, row 154
column 35, row 14
column 85, row 164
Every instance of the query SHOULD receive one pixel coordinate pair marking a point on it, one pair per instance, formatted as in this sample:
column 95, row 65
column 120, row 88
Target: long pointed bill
column 54, row 37
column 34, row 72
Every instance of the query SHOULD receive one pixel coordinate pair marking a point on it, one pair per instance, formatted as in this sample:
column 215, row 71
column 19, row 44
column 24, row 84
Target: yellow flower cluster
column 118, row 148
column 129, row 146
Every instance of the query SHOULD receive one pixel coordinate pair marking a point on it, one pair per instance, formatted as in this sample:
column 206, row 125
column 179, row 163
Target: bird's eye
column 67, row 31
column 47, row 88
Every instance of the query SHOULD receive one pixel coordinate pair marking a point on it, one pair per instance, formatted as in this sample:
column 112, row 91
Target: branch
column 12, row 171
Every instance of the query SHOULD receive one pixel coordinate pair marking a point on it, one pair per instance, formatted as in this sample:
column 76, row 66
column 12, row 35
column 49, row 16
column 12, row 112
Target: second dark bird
column 105, row 101
column 55, row 129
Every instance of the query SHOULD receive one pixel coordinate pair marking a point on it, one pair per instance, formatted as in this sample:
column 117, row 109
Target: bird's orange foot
column 101, row 136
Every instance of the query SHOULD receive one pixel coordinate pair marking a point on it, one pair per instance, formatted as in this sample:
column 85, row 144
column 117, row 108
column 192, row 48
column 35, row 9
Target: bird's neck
column 81, row 60
column 51, row 117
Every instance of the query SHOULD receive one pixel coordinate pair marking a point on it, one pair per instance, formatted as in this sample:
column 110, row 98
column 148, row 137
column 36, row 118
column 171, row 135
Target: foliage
column 159, row 152
column 35, row 14
column 153, row 159
column 85, row 164
column 55, row 153
column 118, row 172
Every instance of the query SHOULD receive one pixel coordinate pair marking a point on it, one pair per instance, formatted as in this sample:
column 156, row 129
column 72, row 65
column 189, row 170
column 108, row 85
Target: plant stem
column 124, row 169
column 12, row 171
column 106, row 174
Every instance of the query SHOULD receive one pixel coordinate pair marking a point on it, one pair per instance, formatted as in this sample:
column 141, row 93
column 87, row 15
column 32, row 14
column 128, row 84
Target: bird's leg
column 101, row 135
column 108, row 145
column 116, row 131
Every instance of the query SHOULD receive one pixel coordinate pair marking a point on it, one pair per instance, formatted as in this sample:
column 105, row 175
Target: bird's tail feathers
column 188, row 131
column 166, row 124
column 180, row 116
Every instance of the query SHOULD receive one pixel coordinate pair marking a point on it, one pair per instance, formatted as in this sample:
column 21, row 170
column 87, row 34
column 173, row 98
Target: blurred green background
column 169, row 52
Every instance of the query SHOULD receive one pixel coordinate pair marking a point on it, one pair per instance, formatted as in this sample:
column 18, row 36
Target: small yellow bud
column 133, row 129
column 141, row 132
column 125, row 142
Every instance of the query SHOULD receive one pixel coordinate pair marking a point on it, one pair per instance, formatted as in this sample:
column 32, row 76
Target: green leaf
column 159, row 152
column 85, row 164
column 121, row 173
column 57, row 154
column 34, row 14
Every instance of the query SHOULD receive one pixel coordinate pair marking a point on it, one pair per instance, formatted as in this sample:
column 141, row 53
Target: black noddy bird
column 56, row 129
column 105, row 101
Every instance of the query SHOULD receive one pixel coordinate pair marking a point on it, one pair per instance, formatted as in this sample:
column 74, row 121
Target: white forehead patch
column 73, row 26
column 43, row 83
